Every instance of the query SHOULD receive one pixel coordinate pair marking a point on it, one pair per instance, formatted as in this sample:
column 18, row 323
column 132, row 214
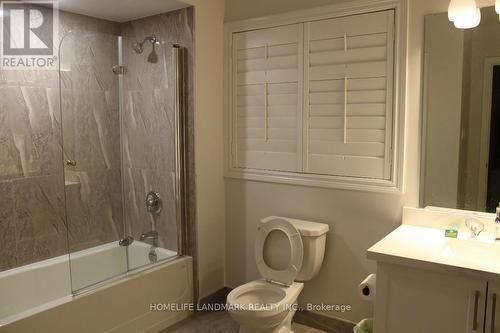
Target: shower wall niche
column 75, row 176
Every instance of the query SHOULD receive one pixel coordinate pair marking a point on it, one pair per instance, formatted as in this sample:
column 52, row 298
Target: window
column 267, row 98
column 348, row 90
column 314, row 102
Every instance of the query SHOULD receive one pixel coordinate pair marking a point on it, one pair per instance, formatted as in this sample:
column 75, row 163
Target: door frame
column 484, row 154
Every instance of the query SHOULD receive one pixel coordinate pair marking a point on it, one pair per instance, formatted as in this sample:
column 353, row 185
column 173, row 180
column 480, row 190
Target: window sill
column 315, row 180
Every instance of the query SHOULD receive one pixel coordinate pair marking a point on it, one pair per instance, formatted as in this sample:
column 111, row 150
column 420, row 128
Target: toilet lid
column 284, row 276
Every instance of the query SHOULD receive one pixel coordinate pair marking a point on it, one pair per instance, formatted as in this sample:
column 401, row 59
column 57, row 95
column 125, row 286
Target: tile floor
column 219, row 322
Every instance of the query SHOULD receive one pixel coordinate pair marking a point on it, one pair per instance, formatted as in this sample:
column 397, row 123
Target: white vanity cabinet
column 427, row 283
column 414, row 300
column 492, row 322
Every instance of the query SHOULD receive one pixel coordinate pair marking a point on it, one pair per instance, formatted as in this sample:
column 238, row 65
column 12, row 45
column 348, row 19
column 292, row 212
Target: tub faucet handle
column 153, row 202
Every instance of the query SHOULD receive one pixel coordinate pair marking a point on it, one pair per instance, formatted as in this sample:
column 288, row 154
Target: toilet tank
column 313, row 236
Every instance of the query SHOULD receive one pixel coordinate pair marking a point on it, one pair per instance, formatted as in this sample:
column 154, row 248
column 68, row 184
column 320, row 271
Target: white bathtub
column 30, row 291
column 96, row 264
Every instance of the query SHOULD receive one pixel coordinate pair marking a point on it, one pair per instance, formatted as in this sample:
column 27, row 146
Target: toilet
column 287, row 252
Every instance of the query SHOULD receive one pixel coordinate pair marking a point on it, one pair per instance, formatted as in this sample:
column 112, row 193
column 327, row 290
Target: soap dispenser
column 497, row 224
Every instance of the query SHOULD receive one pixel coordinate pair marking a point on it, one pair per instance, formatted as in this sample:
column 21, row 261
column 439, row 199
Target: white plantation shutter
column 348, row 95
column 315, row 98
column 267, row 98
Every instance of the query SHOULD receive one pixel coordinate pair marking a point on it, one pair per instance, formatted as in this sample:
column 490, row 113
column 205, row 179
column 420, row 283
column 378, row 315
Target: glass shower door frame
column 180, row 158
column 180, row 138
column 76, row 59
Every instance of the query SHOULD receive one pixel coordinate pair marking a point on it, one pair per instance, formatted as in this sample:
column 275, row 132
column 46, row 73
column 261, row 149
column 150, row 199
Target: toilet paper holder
column 367, row 288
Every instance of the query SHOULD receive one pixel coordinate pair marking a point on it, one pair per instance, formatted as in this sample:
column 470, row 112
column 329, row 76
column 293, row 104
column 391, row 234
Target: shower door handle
column 119, row 70
column 126, row 241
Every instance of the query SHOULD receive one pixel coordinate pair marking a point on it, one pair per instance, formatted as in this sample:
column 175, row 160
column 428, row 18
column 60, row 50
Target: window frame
column 395, row 184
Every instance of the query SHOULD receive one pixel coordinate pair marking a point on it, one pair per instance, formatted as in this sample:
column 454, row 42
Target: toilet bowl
column 260, row 306
column 286, row 250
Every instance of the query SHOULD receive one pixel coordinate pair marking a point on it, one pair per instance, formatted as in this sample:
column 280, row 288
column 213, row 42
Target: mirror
column 461, row 114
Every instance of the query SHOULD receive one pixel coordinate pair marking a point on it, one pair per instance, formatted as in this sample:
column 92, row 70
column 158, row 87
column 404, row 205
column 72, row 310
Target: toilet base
column 284, row 327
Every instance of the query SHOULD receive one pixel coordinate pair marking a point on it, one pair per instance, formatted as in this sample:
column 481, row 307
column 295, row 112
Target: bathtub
column 40, row 294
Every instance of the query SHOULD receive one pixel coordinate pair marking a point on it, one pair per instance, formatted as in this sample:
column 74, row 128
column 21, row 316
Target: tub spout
column 150, row 237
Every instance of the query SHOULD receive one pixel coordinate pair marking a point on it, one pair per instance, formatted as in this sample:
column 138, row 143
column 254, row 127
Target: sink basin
column 473, row 253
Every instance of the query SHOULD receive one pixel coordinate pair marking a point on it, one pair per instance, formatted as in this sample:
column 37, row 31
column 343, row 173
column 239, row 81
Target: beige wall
column 242, row 9
column 357, row 219
column 209, row 16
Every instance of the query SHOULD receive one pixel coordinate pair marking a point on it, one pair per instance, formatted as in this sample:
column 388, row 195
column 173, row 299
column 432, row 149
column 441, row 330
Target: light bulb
column 452, row 11
column 464, row 13
column 468, row 20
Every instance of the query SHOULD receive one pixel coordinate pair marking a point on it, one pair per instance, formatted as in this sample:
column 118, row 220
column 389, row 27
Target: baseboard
column 322, row 322
column 218, row 297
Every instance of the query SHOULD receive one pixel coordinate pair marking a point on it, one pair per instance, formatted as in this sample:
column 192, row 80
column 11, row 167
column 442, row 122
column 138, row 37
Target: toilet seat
column 288, row 275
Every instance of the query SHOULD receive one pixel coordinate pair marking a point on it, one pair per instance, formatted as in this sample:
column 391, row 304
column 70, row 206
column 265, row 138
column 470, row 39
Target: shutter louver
column 348, row 92
column 267, row 98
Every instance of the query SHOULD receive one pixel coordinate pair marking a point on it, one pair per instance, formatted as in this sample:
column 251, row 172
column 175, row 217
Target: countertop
column 424, row 247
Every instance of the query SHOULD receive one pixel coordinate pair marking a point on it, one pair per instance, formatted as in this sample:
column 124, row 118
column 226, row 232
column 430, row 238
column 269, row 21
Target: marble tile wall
column 43, row 201
column 33, row 223
column 148, row 138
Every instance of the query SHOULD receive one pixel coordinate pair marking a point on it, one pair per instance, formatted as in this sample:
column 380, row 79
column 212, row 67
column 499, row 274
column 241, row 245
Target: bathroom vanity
column 429, row 283
column 426, row 282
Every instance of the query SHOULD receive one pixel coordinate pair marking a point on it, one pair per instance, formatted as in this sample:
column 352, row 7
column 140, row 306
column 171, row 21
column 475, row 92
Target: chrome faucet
column 150, row 237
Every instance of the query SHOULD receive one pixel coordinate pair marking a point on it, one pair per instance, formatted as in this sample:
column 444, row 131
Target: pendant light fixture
column 465, row 14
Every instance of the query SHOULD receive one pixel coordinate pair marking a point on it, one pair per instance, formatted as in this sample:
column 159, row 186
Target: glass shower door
column 122, row 142
column 91, row 122
column 151, row 147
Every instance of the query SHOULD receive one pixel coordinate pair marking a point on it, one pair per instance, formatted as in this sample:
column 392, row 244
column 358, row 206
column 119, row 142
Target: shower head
column 139, row 48
column 153, row 56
